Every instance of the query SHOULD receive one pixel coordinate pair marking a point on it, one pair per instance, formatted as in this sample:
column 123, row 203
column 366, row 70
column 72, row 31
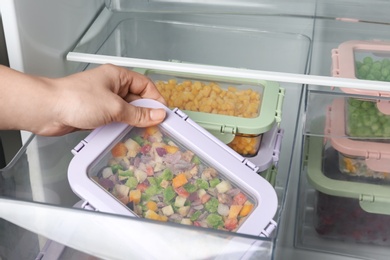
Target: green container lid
column 226, row 127
column 373, row 198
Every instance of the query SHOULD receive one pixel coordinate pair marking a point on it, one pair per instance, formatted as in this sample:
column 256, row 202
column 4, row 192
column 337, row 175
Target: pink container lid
column 376, row 154
column 343, row 66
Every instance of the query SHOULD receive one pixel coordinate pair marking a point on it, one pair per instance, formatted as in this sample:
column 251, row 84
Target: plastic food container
column 346, row 208
column 367, row 60
column 357, row 157
column 175, row 172
column 268, row 154
column 237, row 111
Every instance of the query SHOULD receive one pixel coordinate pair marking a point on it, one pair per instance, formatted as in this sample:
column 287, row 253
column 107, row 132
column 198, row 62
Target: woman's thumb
column 143, row 117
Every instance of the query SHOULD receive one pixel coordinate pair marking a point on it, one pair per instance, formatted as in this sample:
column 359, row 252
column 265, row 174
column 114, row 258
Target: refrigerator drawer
column 344, row 185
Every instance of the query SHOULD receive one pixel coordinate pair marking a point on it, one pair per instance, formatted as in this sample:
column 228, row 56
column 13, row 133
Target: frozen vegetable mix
column 356, row 166
column 158, row 179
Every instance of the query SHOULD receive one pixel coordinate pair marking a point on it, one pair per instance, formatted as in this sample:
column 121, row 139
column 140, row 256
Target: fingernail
column 157, row 114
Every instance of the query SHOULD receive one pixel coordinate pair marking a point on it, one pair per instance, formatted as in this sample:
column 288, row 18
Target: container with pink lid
column 357, row 157
column 366, row 60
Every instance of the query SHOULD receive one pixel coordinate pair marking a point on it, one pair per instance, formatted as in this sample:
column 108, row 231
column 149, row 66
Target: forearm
column 26, row 102
column 84, row 100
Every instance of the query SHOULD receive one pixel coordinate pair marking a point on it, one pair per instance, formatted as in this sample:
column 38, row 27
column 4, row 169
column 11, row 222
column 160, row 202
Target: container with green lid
column 237, row 111
column 347, row 208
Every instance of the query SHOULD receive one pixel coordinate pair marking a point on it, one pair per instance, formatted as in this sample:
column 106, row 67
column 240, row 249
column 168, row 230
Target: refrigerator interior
column 280, row 41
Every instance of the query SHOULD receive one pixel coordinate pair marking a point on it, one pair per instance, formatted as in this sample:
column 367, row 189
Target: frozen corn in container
column 175, row 172
column 237, row 111
column 346, row 208
column 357, row 157
column 367, row 60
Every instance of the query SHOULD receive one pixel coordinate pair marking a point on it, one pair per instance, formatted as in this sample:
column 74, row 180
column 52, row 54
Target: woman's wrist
column 26, row 102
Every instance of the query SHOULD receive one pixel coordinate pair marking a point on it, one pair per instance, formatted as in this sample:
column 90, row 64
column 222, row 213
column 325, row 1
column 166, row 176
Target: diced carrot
column 149, row 170
column 349, row 165
column 205, row 198
column 142, row 187
column 182, row 192
column 151, row 130
column 119, row 150
column 151, row 205
column 246, row 209
column 179, row 180
column 239, row 199
column 135, row 196
column 171, row 149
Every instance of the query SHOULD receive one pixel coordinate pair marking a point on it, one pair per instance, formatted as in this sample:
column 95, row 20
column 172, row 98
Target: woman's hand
column 84, row 100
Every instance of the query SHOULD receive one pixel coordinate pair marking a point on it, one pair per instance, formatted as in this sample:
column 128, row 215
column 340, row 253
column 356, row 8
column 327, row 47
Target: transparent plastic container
column 356, row 166
column 366, row 60
column 358, row 157
column 346, row 208
column 176, row 172
column 237, row 111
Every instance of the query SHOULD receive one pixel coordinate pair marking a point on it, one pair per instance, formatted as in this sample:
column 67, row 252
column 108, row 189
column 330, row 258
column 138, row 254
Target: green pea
column 367, row 60
column 352, row 109
column 385, row 72
column 377, row 65
column 385, row 62
column 378, row 133
column 354, row 116
column 363, row 71
column 376, row 73
column 375, row 127
column 383, row 120
column 366, row 104
column 372, row 112
column 354, row 102
column 386, row 130
column 366, row 120
column 362, row 132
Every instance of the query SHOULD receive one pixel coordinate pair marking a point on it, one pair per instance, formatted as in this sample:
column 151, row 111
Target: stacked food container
column 244, row 114
column 350, row 169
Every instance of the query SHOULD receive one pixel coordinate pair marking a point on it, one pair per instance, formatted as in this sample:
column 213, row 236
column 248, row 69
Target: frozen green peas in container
column 365, row 120
column 366, row 60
